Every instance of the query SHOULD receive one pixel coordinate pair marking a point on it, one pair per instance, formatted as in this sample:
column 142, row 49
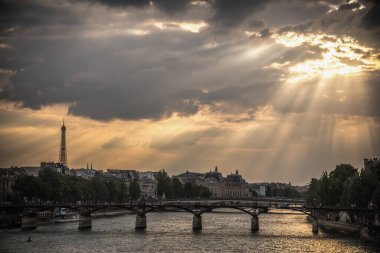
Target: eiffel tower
column 63, row 150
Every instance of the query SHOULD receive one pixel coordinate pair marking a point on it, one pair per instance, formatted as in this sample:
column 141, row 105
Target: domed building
column 213, row 180
column 231, row 187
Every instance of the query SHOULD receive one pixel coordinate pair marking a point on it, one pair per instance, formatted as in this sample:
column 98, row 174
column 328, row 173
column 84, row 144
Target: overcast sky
column 278, row 89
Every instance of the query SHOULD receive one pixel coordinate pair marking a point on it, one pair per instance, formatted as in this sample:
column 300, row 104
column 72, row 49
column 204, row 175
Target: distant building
column 191, row 177
column 147, row 180
column 233, row 186
column 7, row 180
column 127, row 176
column 85, row 173
column 213, row 180
column 368, row 163
column 58, row 167
column 301, row 188
column 29, row 170
column 148, row 184
column 262, row 190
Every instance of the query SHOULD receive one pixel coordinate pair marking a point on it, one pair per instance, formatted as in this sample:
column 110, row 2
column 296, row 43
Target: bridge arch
column 151, row 209
column 92, row 210
column 308, row 213
column 231, row 207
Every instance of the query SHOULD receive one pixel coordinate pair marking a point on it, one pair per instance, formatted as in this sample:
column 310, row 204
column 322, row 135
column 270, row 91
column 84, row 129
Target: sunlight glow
column 340, row 55
column 194, row 27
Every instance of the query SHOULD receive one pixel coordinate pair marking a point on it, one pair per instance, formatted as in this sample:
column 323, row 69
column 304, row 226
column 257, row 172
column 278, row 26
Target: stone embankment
column 367, row 225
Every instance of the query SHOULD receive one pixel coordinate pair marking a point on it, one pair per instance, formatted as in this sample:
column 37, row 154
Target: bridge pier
column 85, row 221
column 29, row 221
column 197, row 222
column 254, row 223
column 314, row 226
column 140, row 221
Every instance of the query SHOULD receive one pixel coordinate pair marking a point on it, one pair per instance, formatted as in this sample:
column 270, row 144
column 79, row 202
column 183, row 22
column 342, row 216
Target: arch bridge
column 196, row 208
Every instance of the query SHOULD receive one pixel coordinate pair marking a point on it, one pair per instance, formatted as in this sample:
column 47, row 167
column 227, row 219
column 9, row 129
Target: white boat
column 65, row 216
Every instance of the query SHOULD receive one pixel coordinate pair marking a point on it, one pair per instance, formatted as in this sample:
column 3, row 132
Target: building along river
column 172, row 232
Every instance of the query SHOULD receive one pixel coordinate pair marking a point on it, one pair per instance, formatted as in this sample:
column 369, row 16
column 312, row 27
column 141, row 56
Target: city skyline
column 285, row 92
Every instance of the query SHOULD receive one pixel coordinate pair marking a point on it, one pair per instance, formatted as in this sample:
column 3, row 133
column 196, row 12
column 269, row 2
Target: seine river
column 172, row 232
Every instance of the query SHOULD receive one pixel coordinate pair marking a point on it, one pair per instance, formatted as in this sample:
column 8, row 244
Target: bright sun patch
column 194, row 27
column 341, row 55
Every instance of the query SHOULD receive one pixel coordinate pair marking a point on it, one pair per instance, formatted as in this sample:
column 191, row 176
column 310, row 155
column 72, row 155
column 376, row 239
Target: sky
column 280, row 90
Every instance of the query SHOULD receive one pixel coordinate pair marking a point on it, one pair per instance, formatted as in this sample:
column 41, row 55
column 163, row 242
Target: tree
column 164, row 184
column 376, row 197
column 344, row 186
column 122, row 192
column 188, row 190
column 178, row 191
column 100, row 190
column 354, row 192
column 134, row 189
column 29, row 187
column 268, row 191
column 204, row 192
column 337, row 179
column 54, row 184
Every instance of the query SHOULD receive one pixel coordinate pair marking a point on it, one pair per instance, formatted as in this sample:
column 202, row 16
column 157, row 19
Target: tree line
column 55, row 187
column 346, row 186
column 287, row 192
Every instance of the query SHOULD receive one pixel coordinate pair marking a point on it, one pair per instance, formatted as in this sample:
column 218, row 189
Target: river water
column 172, row 232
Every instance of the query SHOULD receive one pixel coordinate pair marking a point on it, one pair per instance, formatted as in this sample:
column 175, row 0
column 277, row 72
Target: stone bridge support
column 85, row 221
column 197, row 222
column 29, row 221
column 140, row 221
column 255, row 223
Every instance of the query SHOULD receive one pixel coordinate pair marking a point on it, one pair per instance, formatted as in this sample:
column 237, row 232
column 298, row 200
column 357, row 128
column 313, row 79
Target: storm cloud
column 59, row 56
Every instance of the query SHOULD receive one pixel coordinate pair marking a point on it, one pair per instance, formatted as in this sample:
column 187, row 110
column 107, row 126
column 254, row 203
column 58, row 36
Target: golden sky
column 280, row 90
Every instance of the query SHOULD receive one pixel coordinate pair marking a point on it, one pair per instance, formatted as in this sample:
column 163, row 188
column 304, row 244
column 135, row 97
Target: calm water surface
column 172, row 232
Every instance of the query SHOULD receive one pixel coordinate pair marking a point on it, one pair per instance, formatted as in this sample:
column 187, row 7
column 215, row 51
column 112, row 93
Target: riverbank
column 368, row 233
column 14, row 220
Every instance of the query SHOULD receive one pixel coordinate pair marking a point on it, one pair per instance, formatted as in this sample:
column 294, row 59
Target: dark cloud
column 302, row 28
column 156, row 75
column 171, row 6
column 121, row 3
column 256, row 24
column 371, row 19
column 229, row 14
column 349, row 6
column 15, row 15
column 168, row 6
column 265, row 33
column 292, row 12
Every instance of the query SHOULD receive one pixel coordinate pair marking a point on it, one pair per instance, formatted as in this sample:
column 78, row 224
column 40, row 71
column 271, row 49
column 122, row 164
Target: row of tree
column 287, row 192
column 345, row 186
column 56, row 187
